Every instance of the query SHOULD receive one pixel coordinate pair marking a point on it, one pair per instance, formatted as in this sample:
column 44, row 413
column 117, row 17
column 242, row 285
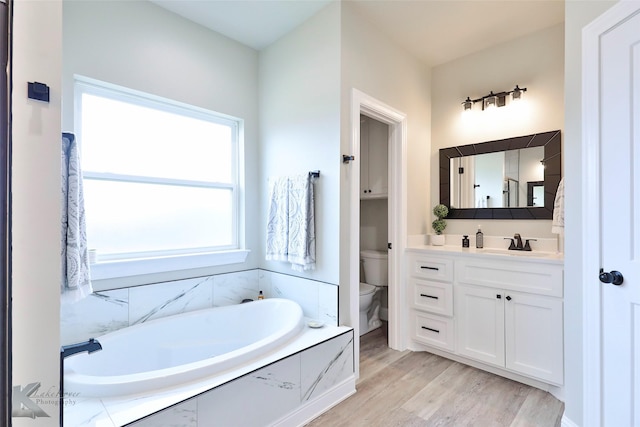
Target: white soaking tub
column 186, row 347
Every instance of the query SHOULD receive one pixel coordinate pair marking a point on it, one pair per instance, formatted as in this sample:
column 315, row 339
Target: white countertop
column 495, row 247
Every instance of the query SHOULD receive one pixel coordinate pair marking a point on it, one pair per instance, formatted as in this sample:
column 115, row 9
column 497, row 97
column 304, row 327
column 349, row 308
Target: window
column 160, row 177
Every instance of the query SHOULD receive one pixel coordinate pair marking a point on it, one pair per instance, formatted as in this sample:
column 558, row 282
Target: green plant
column 440, row 211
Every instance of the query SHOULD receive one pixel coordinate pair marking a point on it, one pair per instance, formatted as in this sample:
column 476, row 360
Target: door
column 620, row 222
column 612, row 142
column 480, row 318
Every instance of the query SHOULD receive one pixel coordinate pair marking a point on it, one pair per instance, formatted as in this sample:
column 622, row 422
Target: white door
column 612, row 372
column 620, row 222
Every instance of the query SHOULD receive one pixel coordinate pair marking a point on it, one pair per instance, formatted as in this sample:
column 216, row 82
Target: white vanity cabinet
column 514, row 330
column 374, row 147
column 507, row 311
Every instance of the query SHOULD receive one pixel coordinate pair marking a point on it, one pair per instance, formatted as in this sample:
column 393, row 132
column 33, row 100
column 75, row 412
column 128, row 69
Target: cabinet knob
column 508, row 298
column 499, row 296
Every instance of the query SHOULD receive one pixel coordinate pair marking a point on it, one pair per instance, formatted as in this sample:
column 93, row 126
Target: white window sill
column 136, row 267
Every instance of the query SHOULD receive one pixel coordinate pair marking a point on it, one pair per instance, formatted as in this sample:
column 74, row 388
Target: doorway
column 363, row 104
column 374, row 225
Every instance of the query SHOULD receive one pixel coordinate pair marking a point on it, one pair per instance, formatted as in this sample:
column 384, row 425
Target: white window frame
column 167, row 261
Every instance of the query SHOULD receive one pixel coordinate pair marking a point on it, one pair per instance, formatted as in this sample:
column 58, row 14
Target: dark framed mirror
column 502, row 179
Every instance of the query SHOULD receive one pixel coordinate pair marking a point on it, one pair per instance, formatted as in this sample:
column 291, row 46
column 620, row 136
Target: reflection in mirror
column 535, row 193
column 513, row 178
column 497, row 180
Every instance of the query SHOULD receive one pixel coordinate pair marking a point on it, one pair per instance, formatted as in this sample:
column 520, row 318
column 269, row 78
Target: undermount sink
column 515, row 253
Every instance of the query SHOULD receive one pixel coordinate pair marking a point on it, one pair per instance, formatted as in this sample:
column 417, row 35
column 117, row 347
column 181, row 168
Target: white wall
column 37, row 43
column 300, row 128
column 375, row 65
column 144, row 47
column 536, row 62
column 577, row 15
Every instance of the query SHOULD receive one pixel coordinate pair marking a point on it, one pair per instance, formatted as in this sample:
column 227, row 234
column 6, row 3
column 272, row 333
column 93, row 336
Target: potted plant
column 440, row 211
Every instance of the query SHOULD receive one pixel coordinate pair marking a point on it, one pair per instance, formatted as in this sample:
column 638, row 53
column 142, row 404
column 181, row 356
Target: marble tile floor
column 421, row 389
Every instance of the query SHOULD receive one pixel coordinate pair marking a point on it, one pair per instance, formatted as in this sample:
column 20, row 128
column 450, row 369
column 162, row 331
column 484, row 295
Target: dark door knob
column 614, row 277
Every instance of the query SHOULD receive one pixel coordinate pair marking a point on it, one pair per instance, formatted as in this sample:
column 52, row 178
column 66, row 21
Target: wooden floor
column 421, row 389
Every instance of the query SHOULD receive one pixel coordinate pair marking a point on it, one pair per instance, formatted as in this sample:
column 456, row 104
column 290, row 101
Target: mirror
column 497, row 180
column 513, row 178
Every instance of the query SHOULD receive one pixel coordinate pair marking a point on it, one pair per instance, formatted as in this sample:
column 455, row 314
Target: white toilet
column 376, row 272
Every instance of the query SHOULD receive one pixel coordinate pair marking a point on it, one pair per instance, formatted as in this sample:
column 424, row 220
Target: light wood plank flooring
column 421, row 389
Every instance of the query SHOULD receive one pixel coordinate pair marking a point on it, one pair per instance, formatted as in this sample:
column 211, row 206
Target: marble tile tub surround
column 268, row 395
column 108, row 311
column 263, row 392
column 547, row 245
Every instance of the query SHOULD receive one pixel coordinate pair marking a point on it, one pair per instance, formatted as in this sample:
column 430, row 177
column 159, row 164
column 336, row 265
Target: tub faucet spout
column 88, row 346
column 69, row 350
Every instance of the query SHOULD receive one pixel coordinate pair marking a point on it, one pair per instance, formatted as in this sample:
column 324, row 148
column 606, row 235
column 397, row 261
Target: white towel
column 557, row 225
column 76, row 280
column 278, row 219
column 291, row 223
column 301, row 250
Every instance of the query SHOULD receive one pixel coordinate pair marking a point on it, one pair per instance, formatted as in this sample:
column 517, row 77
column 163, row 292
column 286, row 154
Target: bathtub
column 186, row 347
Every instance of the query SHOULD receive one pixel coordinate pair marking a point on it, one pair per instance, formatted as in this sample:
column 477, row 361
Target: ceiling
column 435, row 31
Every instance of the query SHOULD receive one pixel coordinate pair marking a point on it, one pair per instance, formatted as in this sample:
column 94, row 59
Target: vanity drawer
column 435, row 297
column 535, row 278
column 432, row 330
column 430, row 267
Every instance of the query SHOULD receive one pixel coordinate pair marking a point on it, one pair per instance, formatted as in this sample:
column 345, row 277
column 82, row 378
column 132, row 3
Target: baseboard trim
column 319, row 405
column 566, row 422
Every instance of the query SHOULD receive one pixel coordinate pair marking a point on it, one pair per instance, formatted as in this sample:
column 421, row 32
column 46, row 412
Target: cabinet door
column 534, row 336
column 480, row 322
column 378, row 158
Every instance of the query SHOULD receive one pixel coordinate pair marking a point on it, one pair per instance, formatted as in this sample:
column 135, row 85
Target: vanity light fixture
column 516, row 93
column 468, row 103
column 490, row 101
column 495, row 99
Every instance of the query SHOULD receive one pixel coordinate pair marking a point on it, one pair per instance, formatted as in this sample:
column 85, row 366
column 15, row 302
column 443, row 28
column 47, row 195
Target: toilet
column 374, row 280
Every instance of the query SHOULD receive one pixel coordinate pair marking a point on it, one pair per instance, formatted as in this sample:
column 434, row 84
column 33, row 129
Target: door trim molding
column 591, row 197
column 397, row 121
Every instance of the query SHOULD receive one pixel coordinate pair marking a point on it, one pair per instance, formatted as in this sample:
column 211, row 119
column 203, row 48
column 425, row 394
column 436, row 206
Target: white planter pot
column 437, row 239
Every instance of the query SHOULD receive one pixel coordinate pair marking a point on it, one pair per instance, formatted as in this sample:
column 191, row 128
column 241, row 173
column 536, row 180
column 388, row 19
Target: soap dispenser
column 465, row 241
column 260, row 295
column 479, row 238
